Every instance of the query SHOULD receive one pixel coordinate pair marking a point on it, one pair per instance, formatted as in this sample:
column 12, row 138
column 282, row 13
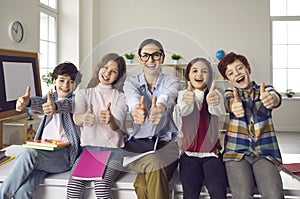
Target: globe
column 220, row 54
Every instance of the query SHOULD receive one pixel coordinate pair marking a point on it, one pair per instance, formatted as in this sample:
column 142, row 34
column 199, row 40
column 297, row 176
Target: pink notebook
column 91, row 165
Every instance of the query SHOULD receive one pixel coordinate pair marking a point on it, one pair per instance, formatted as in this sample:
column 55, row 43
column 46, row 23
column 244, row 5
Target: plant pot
column 176, row 61
column 129, row 61
column 289, row 96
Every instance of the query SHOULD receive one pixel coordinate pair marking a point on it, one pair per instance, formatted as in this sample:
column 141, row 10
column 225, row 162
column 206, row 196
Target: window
column 48, row 38
column 285, row 21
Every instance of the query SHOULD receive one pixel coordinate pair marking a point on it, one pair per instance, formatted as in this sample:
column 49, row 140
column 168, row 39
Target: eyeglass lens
column 155, row 56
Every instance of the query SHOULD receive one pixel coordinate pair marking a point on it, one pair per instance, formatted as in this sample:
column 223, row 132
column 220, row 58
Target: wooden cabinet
column 12, row 126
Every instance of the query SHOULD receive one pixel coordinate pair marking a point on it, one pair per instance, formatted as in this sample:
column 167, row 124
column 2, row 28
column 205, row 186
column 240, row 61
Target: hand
column 88, row 117
column 213, row 98
column 156, row 112
column 140, row 112
column 189, row 95
column 237, row 106
column 266, row 97
column 23, row 101
column 105, row 115
column 49, row 107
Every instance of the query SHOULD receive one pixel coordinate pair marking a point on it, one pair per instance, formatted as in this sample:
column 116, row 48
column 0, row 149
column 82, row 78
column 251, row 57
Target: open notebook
column 91, row 165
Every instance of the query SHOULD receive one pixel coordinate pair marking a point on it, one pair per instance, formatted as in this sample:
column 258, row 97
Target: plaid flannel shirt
column 254, row 133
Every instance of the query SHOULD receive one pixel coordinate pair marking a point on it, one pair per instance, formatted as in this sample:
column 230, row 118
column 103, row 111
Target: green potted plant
column 289, row 93
column 129, row 57
column 47, row 78
column 176, row 58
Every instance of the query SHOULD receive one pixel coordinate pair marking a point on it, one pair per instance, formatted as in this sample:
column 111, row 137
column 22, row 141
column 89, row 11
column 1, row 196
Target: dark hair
column 151, row 41
column 105, row 59
column 67, row 69
column 229, row 59
column 192, row 62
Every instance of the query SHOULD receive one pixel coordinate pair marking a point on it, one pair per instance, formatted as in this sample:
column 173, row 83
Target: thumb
column 236, row 95
column 213, row 86
column 190, row 88
column 27, row 93
column 262, row 88
column 90, row 110
column 153, row 102
column 108, row 106
column 49, row 98
column 143, row 104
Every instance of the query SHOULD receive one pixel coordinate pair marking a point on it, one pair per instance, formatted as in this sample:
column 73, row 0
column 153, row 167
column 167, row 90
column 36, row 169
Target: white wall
column 242, row 26
column 28, row 13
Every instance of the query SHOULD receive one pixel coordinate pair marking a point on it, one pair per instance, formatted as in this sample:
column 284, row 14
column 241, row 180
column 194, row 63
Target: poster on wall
column 18, row 69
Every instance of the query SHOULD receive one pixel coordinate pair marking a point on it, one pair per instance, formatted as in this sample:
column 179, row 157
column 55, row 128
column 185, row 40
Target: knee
column 28, row 154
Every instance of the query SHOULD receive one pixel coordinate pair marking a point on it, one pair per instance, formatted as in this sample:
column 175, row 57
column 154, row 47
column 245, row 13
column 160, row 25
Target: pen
column 155, row 144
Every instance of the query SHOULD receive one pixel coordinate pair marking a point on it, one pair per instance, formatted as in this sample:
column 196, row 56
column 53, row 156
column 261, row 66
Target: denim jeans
column 250, row 172
column 30, row 169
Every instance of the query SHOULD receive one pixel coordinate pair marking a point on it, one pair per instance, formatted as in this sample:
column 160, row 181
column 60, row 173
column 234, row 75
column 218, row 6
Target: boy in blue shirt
column 32, row 166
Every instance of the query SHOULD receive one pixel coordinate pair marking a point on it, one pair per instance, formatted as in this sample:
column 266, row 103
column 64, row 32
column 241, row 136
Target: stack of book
column 4, row 158
column 49, row 145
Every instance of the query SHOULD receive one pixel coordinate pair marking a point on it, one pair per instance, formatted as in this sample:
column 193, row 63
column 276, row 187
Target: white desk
column 54, row 185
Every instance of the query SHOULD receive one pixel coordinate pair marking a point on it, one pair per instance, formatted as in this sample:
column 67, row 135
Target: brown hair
column 229, row 59
column 67, row 69
column 105, row 59
column 193, row 61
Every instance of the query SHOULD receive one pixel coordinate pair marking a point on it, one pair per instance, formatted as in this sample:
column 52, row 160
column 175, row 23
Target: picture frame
column 18, row 69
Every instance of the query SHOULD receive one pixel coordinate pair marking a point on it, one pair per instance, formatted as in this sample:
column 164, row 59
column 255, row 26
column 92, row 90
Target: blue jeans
column 250, row 172
column 30, row 169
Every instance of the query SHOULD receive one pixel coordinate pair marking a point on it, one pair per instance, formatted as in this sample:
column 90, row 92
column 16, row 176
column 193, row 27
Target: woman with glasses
column 150, row 97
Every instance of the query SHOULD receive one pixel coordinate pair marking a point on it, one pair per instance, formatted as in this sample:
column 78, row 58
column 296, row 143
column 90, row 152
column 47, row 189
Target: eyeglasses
column 155, row 56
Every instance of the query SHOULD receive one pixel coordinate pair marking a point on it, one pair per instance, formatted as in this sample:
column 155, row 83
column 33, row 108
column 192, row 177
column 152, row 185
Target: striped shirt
column 254, row 133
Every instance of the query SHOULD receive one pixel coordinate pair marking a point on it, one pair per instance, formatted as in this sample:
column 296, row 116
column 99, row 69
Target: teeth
column 240, row 79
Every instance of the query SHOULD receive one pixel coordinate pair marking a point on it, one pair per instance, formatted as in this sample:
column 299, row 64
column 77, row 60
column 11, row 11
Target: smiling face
column 238, row 75
column 151, row 59
column 64, row 86
column 199, row 75
column 109, row 73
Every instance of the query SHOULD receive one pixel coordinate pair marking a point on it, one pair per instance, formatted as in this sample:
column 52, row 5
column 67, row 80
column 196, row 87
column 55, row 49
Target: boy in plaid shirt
column 250, row 137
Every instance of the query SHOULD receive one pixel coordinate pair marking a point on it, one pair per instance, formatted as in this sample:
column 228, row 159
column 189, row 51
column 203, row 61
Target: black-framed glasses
column 155, row 56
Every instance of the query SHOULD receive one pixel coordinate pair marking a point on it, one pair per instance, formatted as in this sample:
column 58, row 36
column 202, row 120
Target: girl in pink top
column 101, row 111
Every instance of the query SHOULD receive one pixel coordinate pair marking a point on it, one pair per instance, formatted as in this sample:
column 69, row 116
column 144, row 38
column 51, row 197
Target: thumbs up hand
column 189, row 95
column 156, row 111
column 105, row 115
column 88, row 117
column 140, row 112
column 266, row 97
column 49, row 107
column 23, row 101
column 237, row 106
column 213, row 98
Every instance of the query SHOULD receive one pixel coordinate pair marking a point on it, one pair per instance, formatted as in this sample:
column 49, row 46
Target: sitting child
column 250, row 140
column 196, row 116
column 32, row 165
